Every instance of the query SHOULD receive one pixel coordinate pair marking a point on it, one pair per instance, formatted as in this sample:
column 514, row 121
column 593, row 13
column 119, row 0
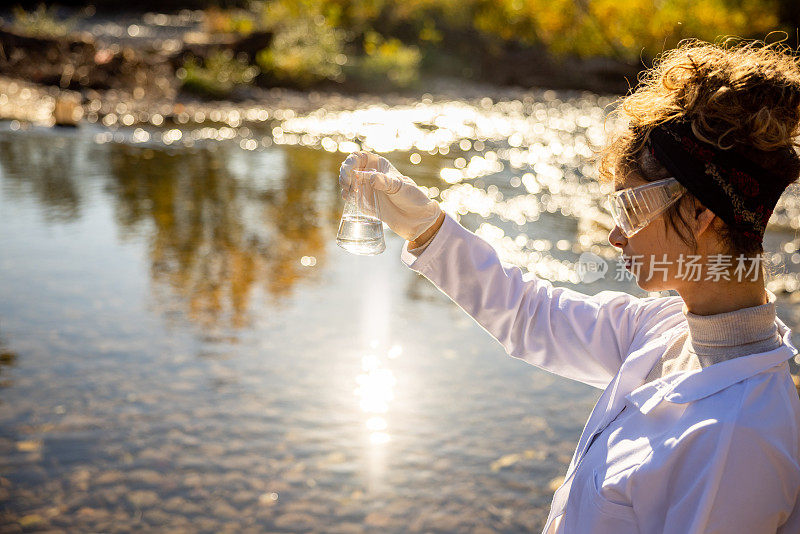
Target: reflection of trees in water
column 47, row 166
column 297, row 223
column 216, row 237
column 7, row 359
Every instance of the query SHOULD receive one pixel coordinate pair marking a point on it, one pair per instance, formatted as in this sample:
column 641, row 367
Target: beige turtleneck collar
column 715, row 338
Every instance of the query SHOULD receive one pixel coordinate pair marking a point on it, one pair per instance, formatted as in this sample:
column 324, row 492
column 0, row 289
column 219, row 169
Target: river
column 183, row 346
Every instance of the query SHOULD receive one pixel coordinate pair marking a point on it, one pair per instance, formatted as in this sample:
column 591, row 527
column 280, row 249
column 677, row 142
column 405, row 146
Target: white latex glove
column 403, row 206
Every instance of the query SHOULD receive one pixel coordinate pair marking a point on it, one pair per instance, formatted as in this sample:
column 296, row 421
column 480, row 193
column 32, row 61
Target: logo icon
column 591, row 267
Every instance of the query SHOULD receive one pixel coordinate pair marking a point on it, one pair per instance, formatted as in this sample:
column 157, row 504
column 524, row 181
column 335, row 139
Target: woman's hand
column 403, row 205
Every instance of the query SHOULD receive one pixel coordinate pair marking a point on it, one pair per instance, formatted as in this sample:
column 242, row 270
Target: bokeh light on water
column 183, row 345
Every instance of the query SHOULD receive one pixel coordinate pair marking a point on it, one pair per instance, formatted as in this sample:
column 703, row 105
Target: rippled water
column 183, row 346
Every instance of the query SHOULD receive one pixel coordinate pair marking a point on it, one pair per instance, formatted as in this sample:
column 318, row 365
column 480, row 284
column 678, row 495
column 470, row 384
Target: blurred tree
column 307, row 46
column 624, row 30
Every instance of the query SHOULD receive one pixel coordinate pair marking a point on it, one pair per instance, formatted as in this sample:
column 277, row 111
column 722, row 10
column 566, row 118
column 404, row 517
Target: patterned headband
column 737, row 190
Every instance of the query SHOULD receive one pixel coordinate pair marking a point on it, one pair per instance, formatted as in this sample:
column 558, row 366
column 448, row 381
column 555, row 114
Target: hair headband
column 739, row 191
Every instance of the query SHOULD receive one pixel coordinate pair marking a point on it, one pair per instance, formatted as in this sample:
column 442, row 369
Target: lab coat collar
column 690, row 386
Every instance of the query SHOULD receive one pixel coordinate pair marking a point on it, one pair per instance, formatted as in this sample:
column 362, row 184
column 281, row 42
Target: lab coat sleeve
column 572, row 334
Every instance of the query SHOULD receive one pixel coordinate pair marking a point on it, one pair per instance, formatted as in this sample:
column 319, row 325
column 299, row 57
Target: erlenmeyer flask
column 361, row 229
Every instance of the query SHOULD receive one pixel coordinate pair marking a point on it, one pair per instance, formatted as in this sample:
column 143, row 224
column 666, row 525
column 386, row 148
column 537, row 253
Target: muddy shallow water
column 183, row 346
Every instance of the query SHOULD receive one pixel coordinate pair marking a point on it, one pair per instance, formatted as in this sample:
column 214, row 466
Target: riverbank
column 136, row 67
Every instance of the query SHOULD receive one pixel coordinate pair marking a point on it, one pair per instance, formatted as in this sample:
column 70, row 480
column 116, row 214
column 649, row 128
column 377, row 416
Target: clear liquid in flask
column 361, row 234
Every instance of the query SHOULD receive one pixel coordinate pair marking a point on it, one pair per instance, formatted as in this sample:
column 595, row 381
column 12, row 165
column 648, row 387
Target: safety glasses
column 635, row 207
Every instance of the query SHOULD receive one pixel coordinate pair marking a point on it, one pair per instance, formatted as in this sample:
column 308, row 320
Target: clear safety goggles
column 635, row 207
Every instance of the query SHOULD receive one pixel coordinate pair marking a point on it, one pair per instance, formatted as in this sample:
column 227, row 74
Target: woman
column 698, row 427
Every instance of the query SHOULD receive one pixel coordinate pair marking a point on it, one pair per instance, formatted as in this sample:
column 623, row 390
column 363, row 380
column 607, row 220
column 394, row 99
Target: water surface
column 183, row 346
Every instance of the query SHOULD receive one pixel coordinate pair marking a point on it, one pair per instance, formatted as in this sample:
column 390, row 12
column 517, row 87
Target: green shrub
column 387, row 59
column 42, row 22
column 236, row 21
column 217, row 76
column 304, row 51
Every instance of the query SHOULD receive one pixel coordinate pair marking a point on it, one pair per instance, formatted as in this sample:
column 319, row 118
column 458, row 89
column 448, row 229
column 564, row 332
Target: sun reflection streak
column 375, row 390
column 375, row 387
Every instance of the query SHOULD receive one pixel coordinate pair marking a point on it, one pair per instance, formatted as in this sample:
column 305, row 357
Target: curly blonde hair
column 742, row 96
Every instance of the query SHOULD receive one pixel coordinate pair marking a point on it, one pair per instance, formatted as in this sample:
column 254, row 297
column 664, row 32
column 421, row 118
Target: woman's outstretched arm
column 569, row 333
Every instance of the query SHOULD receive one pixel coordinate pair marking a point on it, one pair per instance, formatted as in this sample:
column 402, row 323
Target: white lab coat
column 709, row 451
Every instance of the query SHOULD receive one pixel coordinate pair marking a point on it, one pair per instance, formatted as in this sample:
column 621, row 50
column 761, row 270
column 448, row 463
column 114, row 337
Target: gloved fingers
column 357, row 161
column 368, row 161
column 388, row 183
column 350, row 180
column 365, row 164
column 348, row 165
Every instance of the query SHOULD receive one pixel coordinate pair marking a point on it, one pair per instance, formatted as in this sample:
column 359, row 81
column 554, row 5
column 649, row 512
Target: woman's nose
column 616, row 238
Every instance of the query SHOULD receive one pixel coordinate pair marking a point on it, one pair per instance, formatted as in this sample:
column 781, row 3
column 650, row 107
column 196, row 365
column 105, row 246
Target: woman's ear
column 703, row 217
